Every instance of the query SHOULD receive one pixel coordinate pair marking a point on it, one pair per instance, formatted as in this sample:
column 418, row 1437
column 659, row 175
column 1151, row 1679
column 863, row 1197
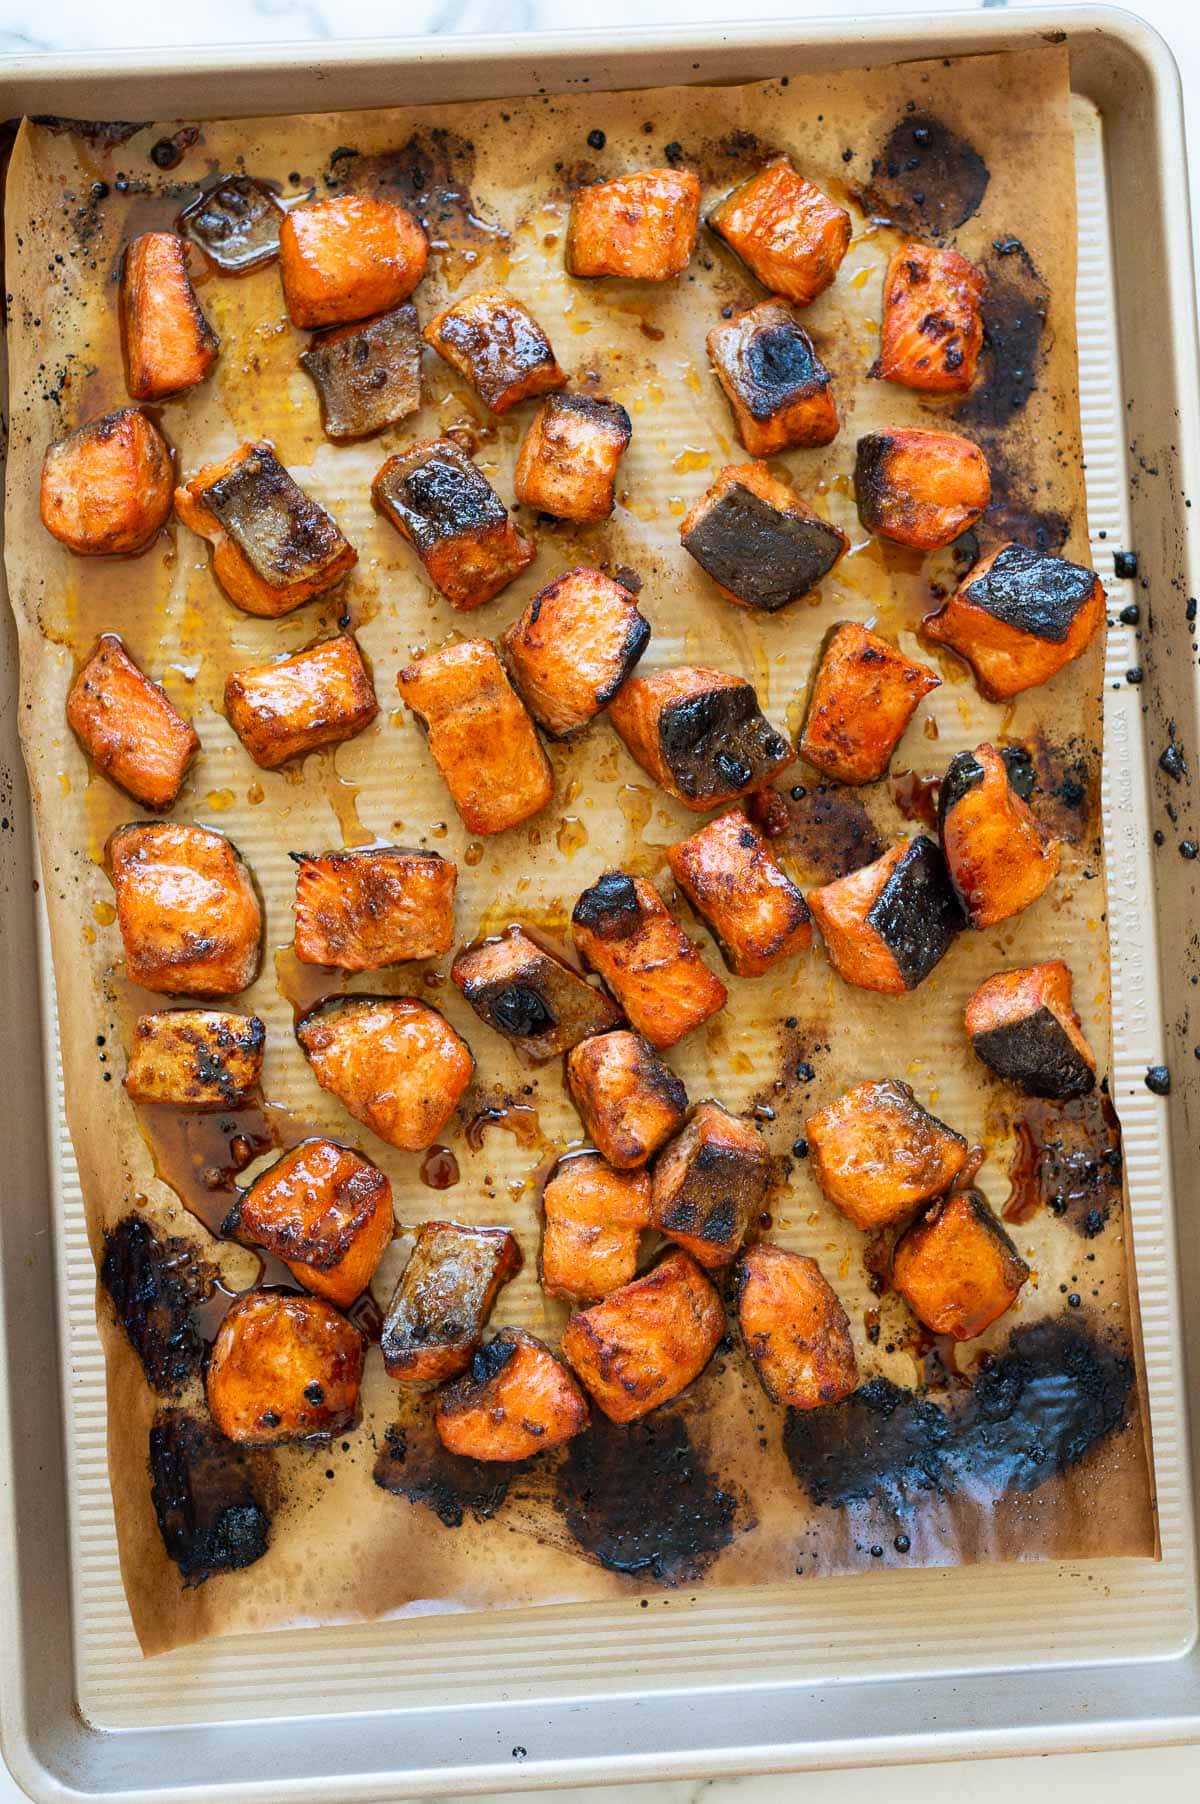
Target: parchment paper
column 493, row 181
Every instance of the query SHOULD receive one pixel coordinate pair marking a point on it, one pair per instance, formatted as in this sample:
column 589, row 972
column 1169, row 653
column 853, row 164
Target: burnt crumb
column 1172, row 761
column 641, row 1500
column 800, row 1149
column 208, row 1497
column 156, row 1284
column 168, row 153
column 673, row 152
column 827, row 832
column 1130, row 615
column 596, row 140
column 1135, row 675
column 1125, row 564
column 1028, row 1416
column 1158, row 1080
column 413, row 1463
column 926, row 179
column 628, row 578
column 1015, row 304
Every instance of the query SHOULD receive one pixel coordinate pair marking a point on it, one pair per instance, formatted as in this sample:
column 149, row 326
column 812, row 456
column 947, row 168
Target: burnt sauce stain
column 1013, row 513
column 1015, row 305
column 824, row 829
column 211, row 1497
column 926, row 179
column 100, row 134
column 1067, row 1159
column 157, row 1285
column 1030, row 1415
column 412, row 1463
column 641, row 1501
column 1066, row 792
column 431, row 174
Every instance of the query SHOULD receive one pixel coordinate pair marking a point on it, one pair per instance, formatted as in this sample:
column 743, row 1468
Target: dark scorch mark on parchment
column 156, row 1284
column 1014, row 318
column 1067, row 1159
column 211, row 1497
column 1029, row 1415
column 926, row 179
column 431, row 174
column 827, row 832
column 413, row 1463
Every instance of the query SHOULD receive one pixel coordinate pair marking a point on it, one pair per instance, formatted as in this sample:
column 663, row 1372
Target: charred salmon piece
column 274, row 547
column 863, row 696
column 235, row 223
column 700, row 733
column 573, row 647
column 128, row 728
column 624, row 931
column 786, row 232
column 780, row 391
column 752, row 908
column 932, row 330
column 494, row 342
column 367, row 376
column 393, row 1063
column 567, row 464
column 195, row 1058
column 323, row 1209
column 453, row 519
column 710, row 1184
column 187, row 909
column 646, row 1342
column 284, row 1368
column 795, row 1331
column 168, row 344
column 998, row 858
column 321, row 696
column 529, row 994
column 594, row 1221
column 886, row 925
column 956, row 1268
column 435, row 1320
column 517, row 1400
column 1019, row 618
column 920, row 488
column 1024, row 1028
column 758, row 542
column 629, row 1101
column 480, row 736
column 640, row 226
column 877, row 1154
column 381, row 905
column 348, row 257
column 211, row 1514
column 107, row 487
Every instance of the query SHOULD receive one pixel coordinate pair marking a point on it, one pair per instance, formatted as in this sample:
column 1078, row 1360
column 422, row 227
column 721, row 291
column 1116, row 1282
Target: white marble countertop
column 1170, row 1775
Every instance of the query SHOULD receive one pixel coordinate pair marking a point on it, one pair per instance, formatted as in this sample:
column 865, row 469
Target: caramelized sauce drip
column 516, row 1118
column 439, row 1168
column 916, row 797
column 201, row 1156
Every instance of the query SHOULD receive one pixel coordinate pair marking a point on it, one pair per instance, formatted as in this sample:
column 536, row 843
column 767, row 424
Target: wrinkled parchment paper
column 704, row 1494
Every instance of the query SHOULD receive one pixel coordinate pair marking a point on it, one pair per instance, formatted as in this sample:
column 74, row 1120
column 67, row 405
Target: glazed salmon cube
column 932, row 320
column 379, row 905
column 480, row 736
column 494, row 342
column 347, row 257
column 863, row 696
column 187, row 909
column 167, row 342
column 195, row 1058
column 711, row 1184
column 647, row 1341
column 567, row 465
column 998, row 858
column 207, row 1497
column 393, row 1063
column 529, row 994
column 920, row 488
column 780, row 391
column 573, row 647
column 762, row 547
column 321, row 696
column 1019, row 618
column 786, row 232
column 1024, row 1028
column 699, row 733
column 367, row 376
column 640, row 226
column 284, row 1368
column 624, row 931
column 630, row 1102
column 594, row 1221
column 107, row 487
column 753, row 909
column 887, row 925
column 323, row 1209
column 517, row 1400
column 274, row 547
column 435, row 1320
column 128, row 728
column 235, row 223
column 454, row 520
column 795, row 1331
column 956, row 1268
column 877, row 1154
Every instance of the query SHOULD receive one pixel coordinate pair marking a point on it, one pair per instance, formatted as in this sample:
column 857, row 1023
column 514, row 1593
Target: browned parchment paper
column 1043, row 1456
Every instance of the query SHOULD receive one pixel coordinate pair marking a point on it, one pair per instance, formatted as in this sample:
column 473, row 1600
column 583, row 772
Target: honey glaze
column 439, row 1168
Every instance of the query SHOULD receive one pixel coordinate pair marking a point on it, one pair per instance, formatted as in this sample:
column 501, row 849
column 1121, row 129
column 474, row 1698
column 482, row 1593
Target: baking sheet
column 604, row 812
